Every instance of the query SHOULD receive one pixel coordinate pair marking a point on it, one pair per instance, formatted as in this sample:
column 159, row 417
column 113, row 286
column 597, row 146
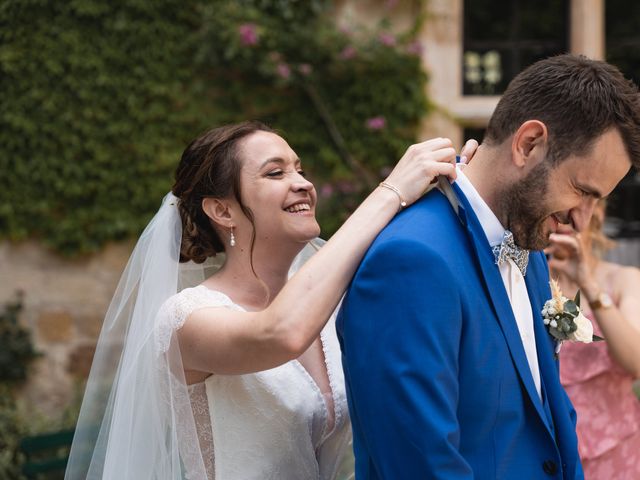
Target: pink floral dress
column 608, row 410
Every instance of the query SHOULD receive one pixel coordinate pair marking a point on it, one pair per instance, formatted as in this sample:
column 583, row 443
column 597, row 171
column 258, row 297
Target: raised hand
column 423, row 162
column 567, row 257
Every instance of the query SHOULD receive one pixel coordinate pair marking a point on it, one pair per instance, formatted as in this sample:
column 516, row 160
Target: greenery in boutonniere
column 564, row 319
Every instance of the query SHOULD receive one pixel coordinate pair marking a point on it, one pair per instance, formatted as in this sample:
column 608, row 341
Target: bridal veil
column 136, row 420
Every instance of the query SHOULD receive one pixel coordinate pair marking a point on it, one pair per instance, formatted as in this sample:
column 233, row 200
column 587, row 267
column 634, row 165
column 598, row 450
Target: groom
column 449, row 367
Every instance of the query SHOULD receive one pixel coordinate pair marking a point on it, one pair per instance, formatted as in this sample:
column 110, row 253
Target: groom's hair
column 578, row 99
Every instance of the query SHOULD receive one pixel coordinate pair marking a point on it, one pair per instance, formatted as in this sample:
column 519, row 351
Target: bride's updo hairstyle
column 209, row 167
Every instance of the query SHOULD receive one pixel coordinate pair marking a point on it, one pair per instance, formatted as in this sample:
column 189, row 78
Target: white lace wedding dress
column 273, row 424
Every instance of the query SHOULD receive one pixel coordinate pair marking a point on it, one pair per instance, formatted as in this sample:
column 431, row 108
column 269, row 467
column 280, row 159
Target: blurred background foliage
column 100, row 98
column 16, row 354
column 18, row 418
column 17, row 350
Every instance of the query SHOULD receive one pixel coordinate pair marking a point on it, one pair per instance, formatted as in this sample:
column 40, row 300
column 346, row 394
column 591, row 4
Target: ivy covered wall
column 100, row 98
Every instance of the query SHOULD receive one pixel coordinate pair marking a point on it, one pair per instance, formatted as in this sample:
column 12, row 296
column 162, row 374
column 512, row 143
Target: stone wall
column 65, row 301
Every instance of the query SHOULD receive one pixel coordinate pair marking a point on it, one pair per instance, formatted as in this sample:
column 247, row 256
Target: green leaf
column 92, row 131
column 571, row 307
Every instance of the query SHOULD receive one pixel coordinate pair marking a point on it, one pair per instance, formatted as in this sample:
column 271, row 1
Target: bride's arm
column 225, row 341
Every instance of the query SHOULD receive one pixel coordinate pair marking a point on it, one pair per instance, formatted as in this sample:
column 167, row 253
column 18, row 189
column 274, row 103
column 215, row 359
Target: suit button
column 550, row 467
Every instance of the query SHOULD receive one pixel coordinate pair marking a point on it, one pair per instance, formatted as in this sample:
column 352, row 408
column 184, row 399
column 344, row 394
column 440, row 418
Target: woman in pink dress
column 599, row 376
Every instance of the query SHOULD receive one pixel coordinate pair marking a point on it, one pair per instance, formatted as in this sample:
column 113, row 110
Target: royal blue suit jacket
column 438, row 382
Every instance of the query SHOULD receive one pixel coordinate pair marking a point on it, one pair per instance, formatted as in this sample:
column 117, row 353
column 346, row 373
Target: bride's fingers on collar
column 469, row 149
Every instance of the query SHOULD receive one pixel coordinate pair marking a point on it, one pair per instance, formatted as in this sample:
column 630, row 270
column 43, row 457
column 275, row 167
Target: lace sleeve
column 176, row 310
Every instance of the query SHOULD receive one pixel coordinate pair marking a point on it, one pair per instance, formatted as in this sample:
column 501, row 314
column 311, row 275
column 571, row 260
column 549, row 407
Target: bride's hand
column 421, row 165
column 468, row 151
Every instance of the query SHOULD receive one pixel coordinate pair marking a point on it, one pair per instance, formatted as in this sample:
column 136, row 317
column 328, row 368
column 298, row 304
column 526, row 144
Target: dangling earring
column 232, row 238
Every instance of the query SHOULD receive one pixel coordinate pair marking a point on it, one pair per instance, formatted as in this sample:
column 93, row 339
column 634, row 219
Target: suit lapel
column 537, row 296
column 557, row 400
column 499, row 299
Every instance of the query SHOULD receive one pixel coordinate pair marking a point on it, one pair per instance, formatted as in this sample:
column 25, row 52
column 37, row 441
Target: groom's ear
column 529, row 145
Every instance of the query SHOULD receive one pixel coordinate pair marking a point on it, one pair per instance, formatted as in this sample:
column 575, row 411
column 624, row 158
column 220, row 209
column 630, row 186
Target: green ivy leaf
column 100, row 98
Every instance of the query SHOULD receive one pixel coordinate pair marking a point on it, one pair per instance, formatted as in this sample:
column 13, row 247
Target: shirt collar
column 490, row 224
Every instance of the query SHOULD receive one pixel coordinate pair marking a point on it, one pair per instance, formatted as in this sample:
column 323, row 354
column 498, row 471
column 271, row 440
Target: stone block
column 79, row 362
column 55, row 326
column 89, row 326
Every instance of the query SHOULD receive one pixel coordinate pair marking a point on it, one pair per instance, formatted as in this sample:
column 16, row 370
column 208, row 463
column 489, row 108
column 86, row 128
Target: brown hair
column 209, row 167
column 578, row 99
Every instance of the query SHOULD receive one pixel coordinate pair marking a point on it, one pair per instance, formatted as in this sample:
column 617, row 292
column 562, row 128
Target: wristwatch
column 603, row 300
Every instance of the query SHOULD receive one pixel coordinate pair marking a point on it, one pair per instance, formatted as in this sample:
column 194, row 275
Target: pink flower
column 385, row 171
column 376, row 123
column 346, row 187
column 345, row 29
column 326, row 190
column 415, row 48
column 283, row 70
column 248, row 34
column 275, row 56
column 348, row 52
column 387, row 39
column 305, row 69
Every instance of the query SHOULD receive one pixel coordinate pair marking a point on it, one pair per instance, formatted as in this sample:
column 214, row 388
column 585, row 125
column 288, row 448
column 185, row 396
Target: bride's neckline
column 222, row 294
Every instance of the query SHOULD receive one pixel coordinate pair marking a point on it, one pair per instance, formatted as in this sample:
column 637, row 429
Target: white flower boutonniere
column 565, row 320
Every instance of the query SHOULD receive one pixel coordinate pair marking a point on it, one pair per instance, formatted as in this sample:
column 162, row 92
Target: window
column 502, row 37
column 623, row 50
column 622, row 19
column 473, row 132
column 623, row 208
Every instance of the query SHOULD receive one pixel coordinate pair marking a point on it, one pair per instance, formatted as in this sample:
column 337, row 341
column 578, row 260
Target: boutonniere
column 565, row 320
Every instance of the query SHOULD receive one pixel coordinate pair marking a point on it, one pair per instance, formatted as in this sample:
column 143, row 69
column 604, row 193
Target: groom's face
column 565, row 193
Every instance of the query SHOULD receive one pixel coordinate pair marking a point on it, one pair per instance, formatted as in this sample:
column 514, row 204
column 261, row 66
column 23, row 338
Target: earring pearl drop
column 232, row 238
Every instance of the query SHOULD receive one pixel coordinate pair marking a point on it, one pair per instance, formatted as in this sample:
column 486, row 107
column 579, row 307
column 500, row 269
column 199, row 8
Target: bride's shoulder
column 188, row 299
column 176, row 309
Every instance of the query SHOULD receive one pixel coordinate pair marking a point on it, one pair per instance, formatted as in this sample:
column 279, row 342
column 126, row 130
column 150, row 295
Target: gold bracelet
column 395, row 190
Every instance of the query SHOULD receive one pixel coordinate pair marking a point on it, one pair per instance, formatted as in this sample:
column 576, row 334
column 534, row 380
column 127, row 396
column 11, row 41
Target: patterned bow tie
column 508, row 249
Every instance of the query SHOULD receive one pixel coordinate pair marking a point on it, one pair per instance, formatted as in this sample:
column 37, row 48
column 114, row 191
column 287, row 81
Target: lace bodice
column 271, row 424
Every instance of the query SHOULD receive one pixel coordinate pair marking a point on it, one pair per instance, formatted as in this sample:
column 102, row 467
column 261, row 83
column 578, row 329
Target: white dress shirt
column 511, row 276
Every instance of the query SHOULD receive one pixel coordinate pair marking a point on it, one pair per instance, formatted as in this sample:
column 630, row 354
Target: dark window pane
column 501, row 37
column 473, row 132
column 623, row 208
column 622, row 27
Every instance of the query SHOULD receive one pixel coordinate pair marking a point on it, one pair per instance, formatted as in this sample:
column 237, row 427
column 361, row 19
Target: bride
column 225, row 369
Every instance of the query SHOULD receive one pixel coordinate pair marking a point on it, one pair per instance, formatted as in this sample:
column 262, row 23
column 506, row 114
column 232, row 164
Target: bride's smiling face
column 275, row 189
